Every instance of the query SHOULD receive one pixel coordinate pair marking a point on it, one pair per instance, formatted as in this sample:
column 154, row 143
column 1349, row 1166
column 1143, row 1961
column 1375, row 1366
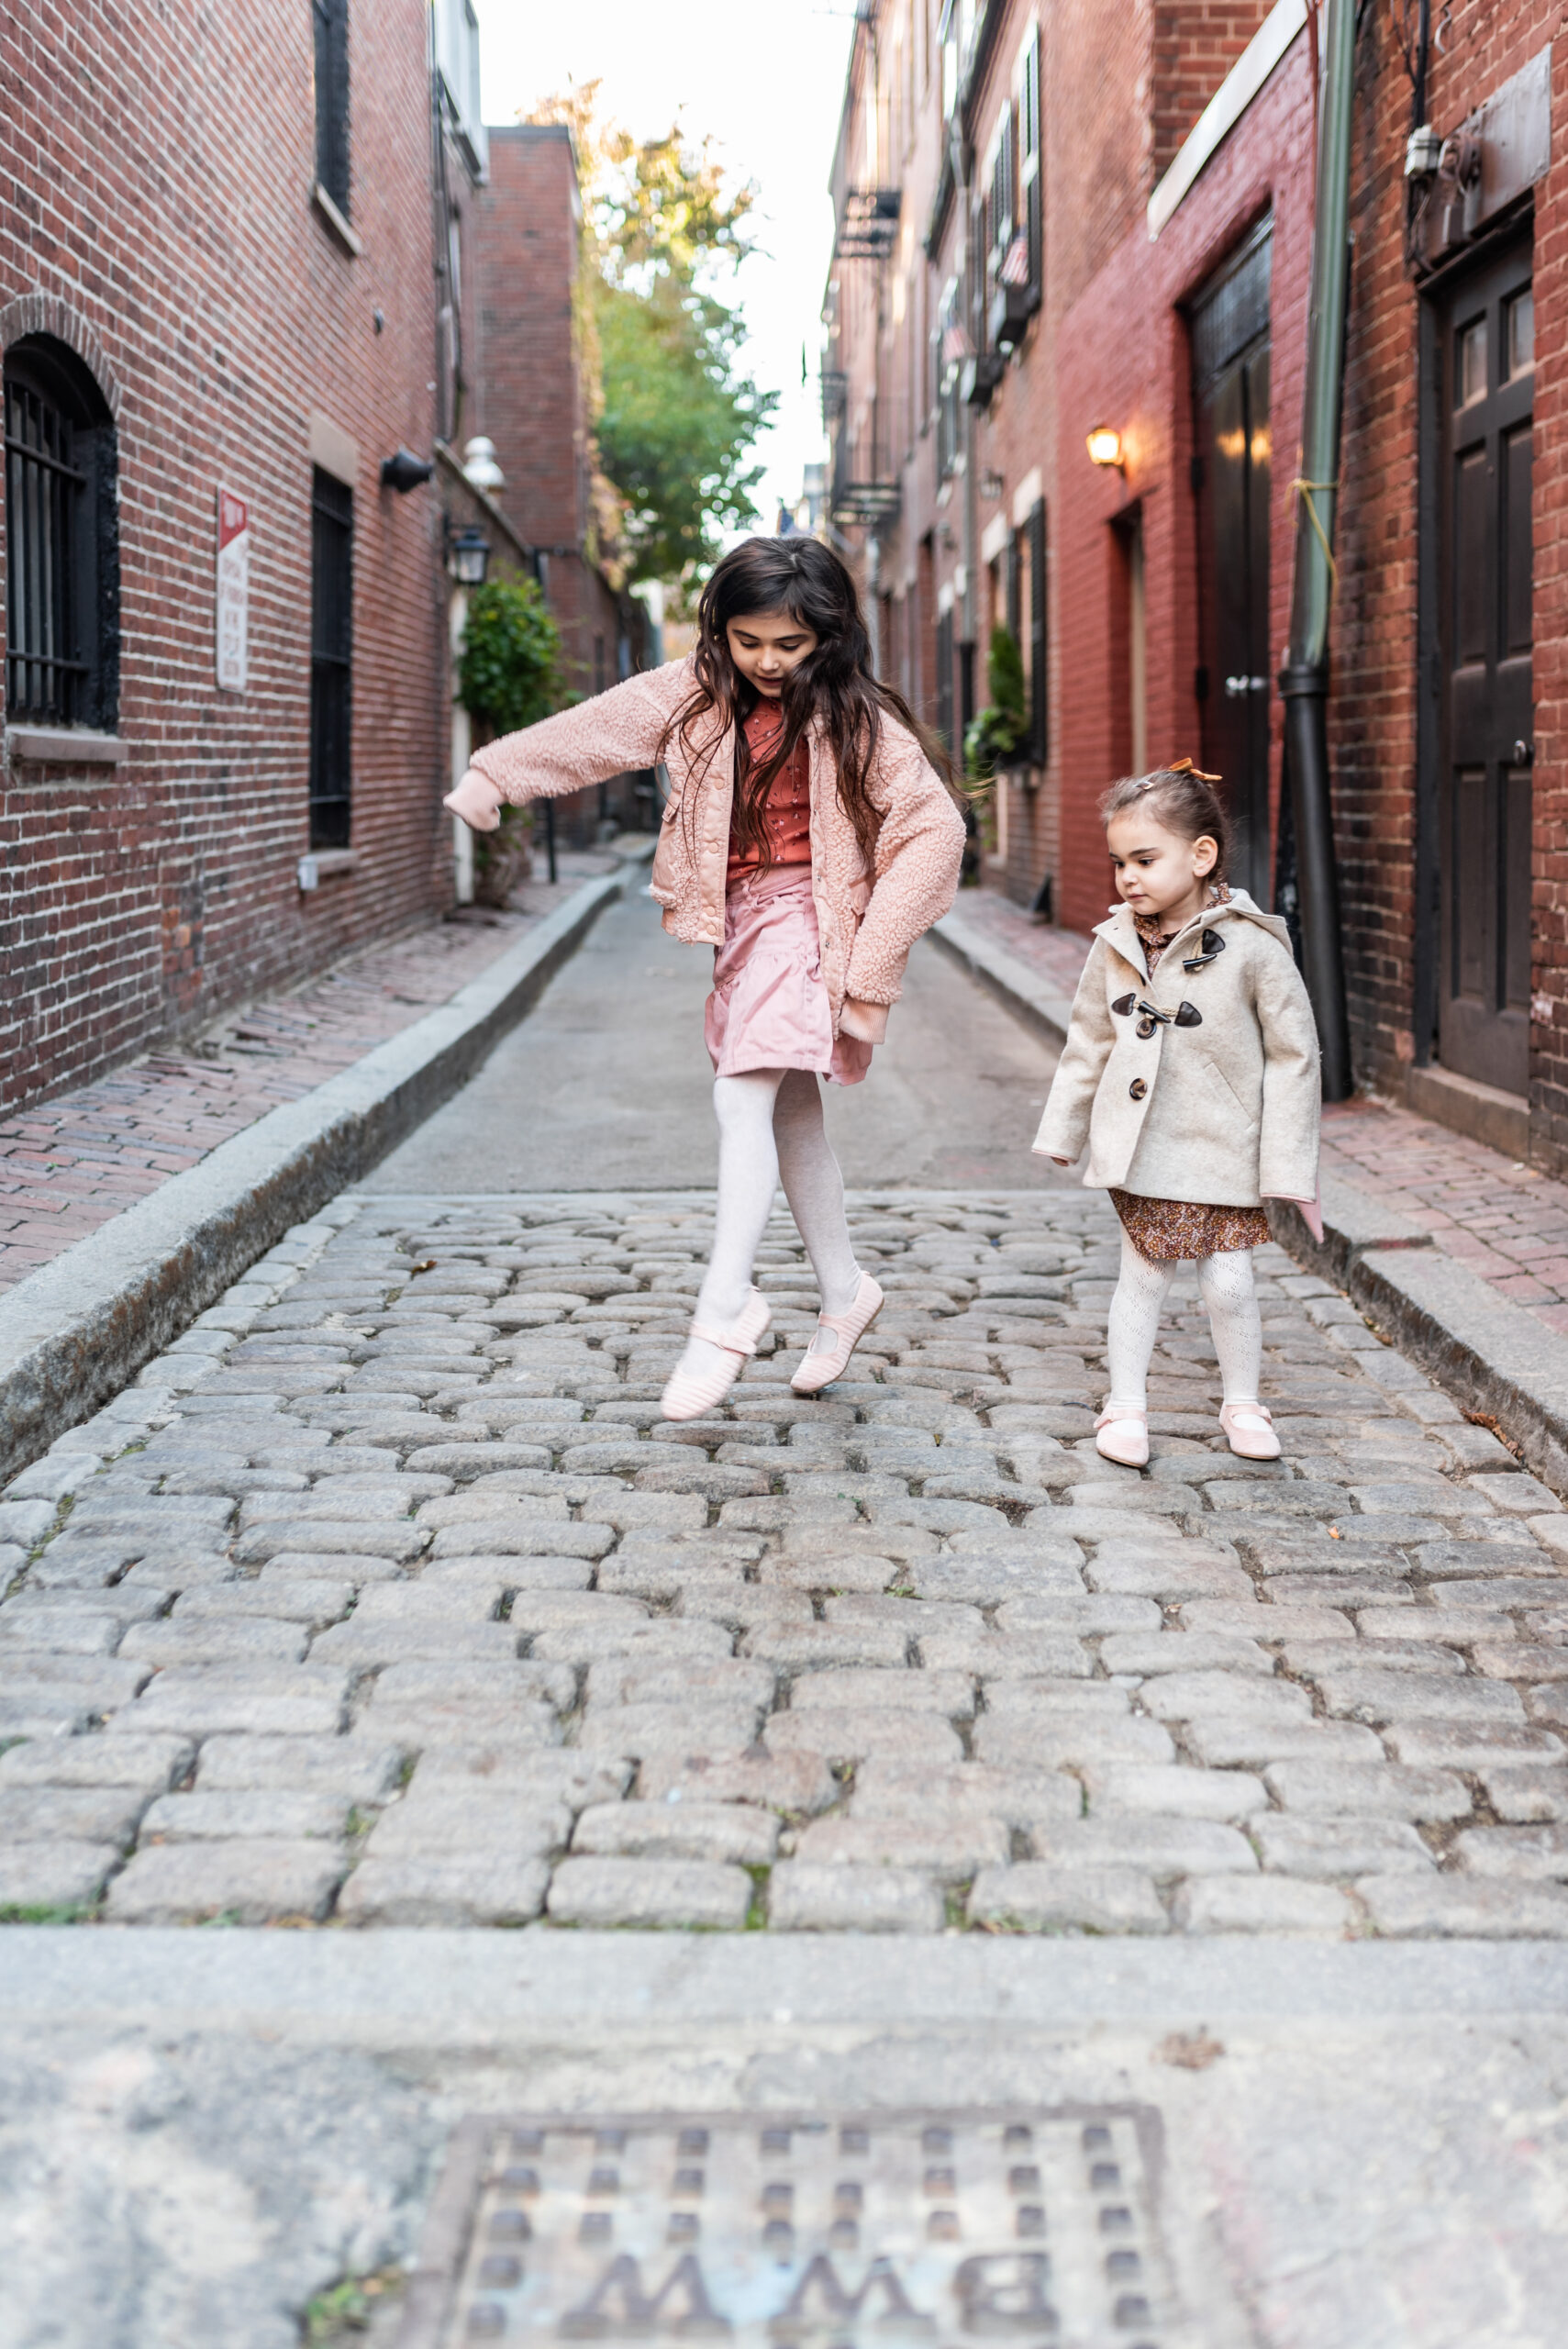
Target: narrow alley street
column 395, row 1613
column 403, row 1604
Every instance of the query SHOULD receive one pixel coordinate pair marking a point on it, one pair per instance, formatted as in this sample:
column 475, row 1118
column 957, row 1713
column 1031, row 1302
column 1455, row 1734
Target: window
column 61, row 555
column 944, row 682
column 332, row 99
column 331, row 659
column 457, row 56
column 1040, row 741
column 1028, row 169
column 950, row 346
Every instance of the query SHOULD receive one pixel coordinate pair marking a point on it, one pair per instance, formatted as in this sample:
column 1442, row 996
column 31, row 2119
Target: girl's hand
column 865, row 1021
column 1061, row 1161
column 477, row 801
column 1311, row 1211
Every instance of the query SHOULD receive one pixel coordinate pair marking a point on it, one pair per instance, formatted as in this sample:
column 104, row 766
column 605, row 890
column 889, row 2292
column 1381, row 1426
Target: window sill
column 327, row 864
column 352, row 245
column 67, row 746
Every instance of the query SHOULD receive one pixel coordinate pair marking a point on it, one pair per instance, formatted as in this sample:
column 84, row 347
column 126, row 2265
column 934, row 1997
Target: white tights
column 1225, row 1284
column 771, row 1130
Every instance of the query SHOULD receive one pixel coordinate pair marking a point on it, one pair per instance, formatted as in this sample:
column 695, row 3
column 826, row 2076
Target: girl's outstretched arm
column 1064, row 1129
column 620, row 729
column 919, row 852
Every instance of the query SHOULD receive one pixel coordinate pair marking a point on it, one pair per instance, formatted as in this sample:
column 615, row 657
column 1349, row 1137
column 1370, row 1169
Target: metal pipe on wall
column 1304, row 681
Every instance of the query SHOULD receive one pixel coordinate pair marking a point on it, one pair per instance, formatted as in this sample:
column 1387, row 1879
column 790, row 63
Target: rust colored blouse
column 787, row 817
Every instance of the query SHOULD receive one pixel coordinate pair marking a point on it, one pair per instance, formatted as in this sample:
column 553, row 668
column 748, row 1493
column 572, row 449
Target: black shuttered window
column 332, row 660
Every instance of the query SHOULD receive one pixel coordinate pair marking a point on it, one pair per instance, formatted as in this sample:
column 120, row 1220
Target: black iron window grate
column 331, row 20
column 332, row 660
column 44, row 675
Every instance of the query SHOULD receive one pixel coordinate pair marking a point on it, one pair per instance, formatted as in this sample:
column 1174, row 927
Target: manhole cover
column 934, row 2230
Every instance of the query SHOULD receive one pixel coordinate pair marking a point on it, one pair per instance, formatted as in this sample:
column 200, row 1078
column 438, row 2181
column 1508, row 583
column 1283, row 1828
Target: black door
column 1486, row 342
column 1230, row 390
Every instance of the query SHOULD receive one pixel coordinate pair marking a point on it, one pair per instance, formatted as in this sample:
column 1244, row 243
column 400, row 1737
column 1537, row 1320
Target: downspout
column 969, row 517
column 1304, row 681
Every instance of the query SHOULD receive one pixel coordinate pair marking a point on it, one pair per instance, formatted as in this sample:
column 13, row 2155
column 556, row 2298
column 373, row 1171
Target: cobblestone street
column 386, row 1597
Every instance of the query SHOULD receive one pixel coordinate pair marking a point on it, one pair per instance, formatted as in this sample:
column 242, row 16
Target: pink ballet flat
column 1249, row 1431
column 818, row 1370
column 1122, row 1434
column 688, row 1396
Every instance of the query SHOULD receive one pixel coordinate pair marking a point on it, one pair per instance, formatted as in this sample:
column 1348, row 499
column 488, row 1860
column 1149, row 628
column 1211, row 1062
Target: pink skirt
column 769, row 1007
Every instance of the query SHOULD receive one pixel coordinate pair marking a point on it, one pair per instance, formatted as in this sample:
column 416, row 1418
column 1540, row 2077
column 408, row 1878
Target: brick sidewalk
column 70, row 1165
column 1504, row 1221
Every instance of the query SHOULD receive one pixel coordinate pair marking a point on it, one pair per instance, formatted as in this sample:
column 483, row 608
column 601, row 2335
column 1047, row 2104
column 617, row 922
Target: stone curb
column 1491, row 1355
column 77, row 1330
column 1026, row 994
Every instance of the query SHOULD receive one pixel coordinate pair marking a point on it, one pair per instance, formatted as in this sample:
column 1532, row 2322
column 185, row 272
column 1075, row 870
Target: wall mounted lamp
column 478, row 465
column 468, row 557
column 1105, row 448
column 992, row 484
column 404, row 472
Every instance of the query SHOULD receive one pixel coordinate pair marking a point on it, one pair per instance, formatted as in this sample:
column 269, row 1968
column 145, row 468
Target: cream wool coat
column 1221, row 1110
column 868, row 921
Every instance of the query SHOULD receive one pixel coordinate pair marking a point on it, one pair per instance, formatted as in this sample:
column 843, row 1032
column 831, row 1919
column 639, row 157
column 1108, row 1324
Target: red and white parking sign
column 233, row 590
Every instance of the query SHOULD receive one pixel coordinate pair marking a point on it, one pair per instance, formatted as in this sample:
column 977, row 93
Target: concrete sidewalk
column 1457, row 1253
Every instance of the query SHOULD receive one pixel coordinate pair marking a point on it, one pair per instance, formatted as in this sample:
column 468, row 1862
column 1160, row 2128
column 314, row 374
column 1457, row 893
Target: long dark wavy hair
column 834, row 684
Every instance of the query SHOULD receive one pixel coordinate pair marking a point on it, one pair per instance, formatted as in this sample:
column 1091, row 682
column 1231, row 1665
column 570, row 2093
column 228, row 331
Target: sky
column 768, row 83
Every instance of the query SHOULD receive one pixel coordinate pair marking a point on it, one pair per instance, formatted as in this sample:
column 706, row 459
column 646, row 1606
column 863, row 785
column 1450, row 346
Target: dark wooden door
column 1230, row 382
column 1487, row 371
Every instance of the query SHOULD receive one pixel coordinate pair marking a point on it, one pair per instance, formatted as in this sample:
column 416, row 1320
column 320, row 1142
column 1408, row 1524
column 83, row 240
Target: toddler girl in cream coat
column 1191, row 1070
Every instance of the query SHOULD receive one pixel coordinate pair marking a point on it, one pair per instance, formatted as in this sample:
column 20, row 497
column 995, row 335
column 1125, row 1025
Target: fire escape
column 865, row 491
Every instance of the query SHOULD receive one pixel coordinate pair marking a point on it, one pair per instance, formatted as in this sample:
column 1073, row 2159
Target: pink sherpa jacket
column 868, row 921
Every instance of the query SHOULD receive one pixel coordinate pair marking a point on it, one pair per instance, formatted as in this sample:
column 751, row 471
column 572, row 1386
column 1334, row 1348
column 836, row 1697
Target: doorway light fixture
column 1105, row 448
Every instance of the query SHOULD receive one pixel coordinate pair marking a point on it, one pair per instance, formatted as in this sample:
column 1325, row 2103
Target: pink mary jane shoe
column 1122, row 1434
column 689, row 1395
column 1248, row 1431
column 818, row 1370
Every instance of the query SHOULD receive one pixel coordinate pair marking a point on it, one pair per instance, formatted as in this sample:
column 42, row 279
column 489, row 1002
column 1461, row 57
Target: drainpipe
column 1304, row 681
column 969, row 514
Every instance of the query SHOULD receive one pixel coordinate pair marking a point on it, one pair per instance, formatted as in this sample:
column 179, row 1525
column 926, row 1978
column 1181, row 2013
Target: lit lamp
column 1104, row 448
column 468, row 557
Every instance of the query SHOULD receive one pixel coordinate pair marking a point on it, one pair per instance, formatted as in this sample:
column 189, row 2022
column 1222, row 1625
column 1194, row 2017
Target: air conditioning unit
column 980, row 376
column 1012, row 306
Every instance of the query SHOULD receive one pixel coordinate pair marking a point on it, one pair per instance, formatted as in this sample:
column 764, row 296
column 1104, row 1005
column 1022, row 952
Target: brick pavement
column 1503, row 1220
column 70, row 1165
column 386, row 1597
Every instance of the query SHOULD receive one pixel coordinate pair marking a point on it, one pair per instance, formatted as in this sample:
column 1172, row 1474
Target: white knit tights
column 771, row 1129
column 1225, row 1284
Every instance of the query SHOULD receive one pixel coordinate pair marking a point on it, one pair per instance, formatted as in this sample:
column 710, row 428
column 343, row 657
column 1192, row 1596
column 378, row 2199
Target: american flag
column 1015, row 269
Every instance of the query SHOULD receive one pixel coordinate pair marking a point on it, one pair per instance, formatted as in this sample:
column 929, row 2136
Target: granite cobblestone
column 392, row 1599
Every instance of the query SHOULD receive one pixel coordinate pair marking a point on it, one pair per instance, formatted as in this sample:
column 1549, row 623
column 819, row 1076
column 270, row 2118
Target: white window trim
column 1268, row 48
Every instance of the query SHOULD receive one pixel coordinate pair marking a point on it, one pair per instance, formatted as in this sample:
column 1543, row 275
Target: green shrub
column 510, row 674
column 998, row 733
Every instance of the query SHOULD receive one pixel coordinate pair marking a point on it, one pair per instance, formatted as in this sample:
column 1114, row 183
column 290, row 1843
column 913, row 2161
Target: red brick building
column 243, row 263
column 1090, row 219
column 533, row 400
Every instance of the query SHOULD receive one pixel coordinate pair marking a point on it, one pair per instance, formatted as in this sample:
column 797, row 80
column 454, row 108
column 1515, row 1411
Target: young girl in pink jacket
column 810, row 840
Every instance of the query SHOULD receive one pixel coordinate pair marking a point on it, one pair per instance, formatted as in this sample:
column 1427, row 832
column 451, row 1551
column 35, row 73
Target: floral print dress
column 1172, row 1230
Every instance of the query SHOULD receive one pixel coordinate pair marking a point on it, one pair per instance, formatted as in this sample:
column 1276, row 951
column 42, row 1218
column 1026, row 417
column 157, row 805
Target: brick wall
column 1373, row 707
column 157, row 172
column 1195, row 43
